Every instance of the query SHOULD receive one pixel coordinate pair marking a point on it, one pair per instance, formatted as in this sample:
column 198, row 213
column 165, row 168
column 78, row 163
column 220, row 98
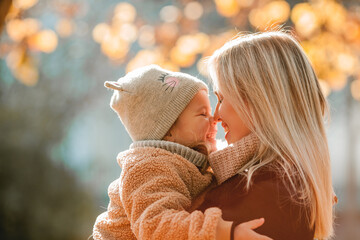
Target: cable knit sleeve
column 235, row 156
column 155, row 193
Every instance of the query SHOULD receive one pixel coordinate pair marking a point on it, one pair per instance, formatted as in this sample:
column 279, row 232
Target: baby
column 168, row 116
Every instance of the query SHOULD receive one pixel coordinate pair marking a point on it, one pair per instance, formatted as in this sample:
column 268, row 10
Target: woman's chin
column 227, row 137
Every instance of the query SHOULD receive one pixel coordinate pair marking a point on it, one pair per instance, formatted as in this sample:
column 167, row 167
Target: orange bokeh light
column 181, row 58
column 306, row 19
column 145, row 57
column 193, row 10
column 65, row 27
column 45, row 41
column 100, row 32
column 276, row 12
column 124, row 12
column 227, row 8
column 24, row 4
column 114, row 47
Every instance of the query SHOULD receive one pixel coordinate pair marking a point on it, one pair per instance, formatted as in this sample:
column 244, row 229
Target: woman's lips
column 225, row 126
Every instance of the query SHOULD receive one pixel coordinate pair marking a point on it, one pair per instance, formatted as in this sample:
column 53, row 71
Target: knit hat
column 148, row 100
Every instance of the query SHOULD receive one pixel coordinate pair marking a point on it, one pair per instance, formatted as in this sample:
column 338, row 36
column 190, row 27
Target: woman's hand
column 244, row 231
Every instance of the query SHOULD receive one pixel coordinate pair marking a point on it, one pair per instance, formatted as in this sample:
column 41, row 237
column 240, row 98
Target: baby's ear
column 113, row 85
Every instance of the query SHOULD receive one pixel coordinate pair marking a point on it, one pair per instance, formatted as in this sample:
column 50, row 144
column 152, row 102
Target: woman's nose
column 216, row 116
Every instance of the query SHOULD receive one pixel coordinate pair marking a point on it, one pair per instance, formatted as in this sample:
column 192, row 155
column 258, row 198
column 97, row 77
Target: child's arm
column 155, row 194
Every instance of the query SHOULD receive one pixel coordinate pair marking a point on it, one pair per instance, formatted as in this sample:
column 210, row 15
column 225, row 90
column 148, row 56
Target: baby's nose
column 213, row 124
column 214, row 119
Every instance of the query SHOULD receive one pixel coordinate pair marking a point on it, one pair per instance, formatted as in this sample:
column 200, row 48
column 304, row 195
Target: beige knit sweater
column 149, row 199
column 227, row 162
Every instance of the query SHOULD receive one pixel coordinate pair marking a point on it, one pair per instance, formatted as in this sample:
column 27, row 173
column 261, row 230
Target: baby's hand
column 245, row 230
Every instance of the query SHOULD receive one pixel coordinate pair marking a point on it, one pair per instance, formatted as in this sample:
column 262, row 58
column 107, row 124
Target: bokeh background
column 58, row 136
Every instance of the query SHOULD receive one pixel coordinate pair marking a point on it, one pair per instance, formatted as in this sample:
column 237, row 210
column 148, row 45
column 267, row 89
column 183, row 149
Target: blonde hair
column 271, row 82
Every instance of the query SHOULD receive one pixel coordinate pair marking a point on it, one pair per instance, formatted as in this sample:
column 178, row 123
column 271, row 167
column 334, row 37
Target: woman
column 269, row 100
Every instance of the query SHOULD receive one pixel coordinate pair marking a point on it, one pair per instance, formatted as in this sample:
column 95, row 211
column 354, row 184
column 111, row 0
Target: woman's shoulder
column 267, row 185
column 262, row 178
column 268, row 196
column 264, row 183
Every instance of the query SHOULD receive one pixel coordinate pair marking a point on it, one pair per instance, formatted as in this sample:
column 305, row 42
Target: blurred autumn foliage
column 4, row 9
column 328, row 30
column 40, row 197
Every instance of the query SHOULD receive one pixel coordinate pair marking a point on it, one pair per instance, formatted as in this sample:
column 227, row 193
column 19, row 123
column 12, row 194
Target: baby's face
column 195, row 124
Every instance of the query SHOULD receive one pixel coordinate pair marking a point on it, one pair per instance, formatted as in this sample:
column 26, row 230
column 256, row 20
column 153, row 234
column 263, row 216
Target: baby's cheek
column 205, row 130
column 213, row 144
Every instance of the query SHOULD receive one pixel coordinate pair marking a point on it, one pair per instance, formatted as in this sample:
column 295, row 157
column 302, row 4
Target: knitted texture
column 152, row 194
column 227, row 162
column 198, row 159
column 148, row 100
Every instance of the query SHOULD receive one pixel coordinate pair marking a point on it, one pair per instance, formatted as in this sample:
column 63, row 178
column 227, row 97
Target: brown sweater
column 267, row 197
column 149, row 199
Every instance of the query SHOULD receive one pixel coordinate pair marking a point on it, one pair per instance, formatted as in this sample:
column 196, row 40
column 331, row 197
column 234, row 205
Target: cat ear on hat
column 113, row 85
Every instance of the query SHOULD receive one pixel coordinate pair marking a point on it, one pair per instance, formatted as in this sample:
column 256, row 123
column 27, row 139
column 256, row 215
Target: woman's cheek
column 223, row 108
